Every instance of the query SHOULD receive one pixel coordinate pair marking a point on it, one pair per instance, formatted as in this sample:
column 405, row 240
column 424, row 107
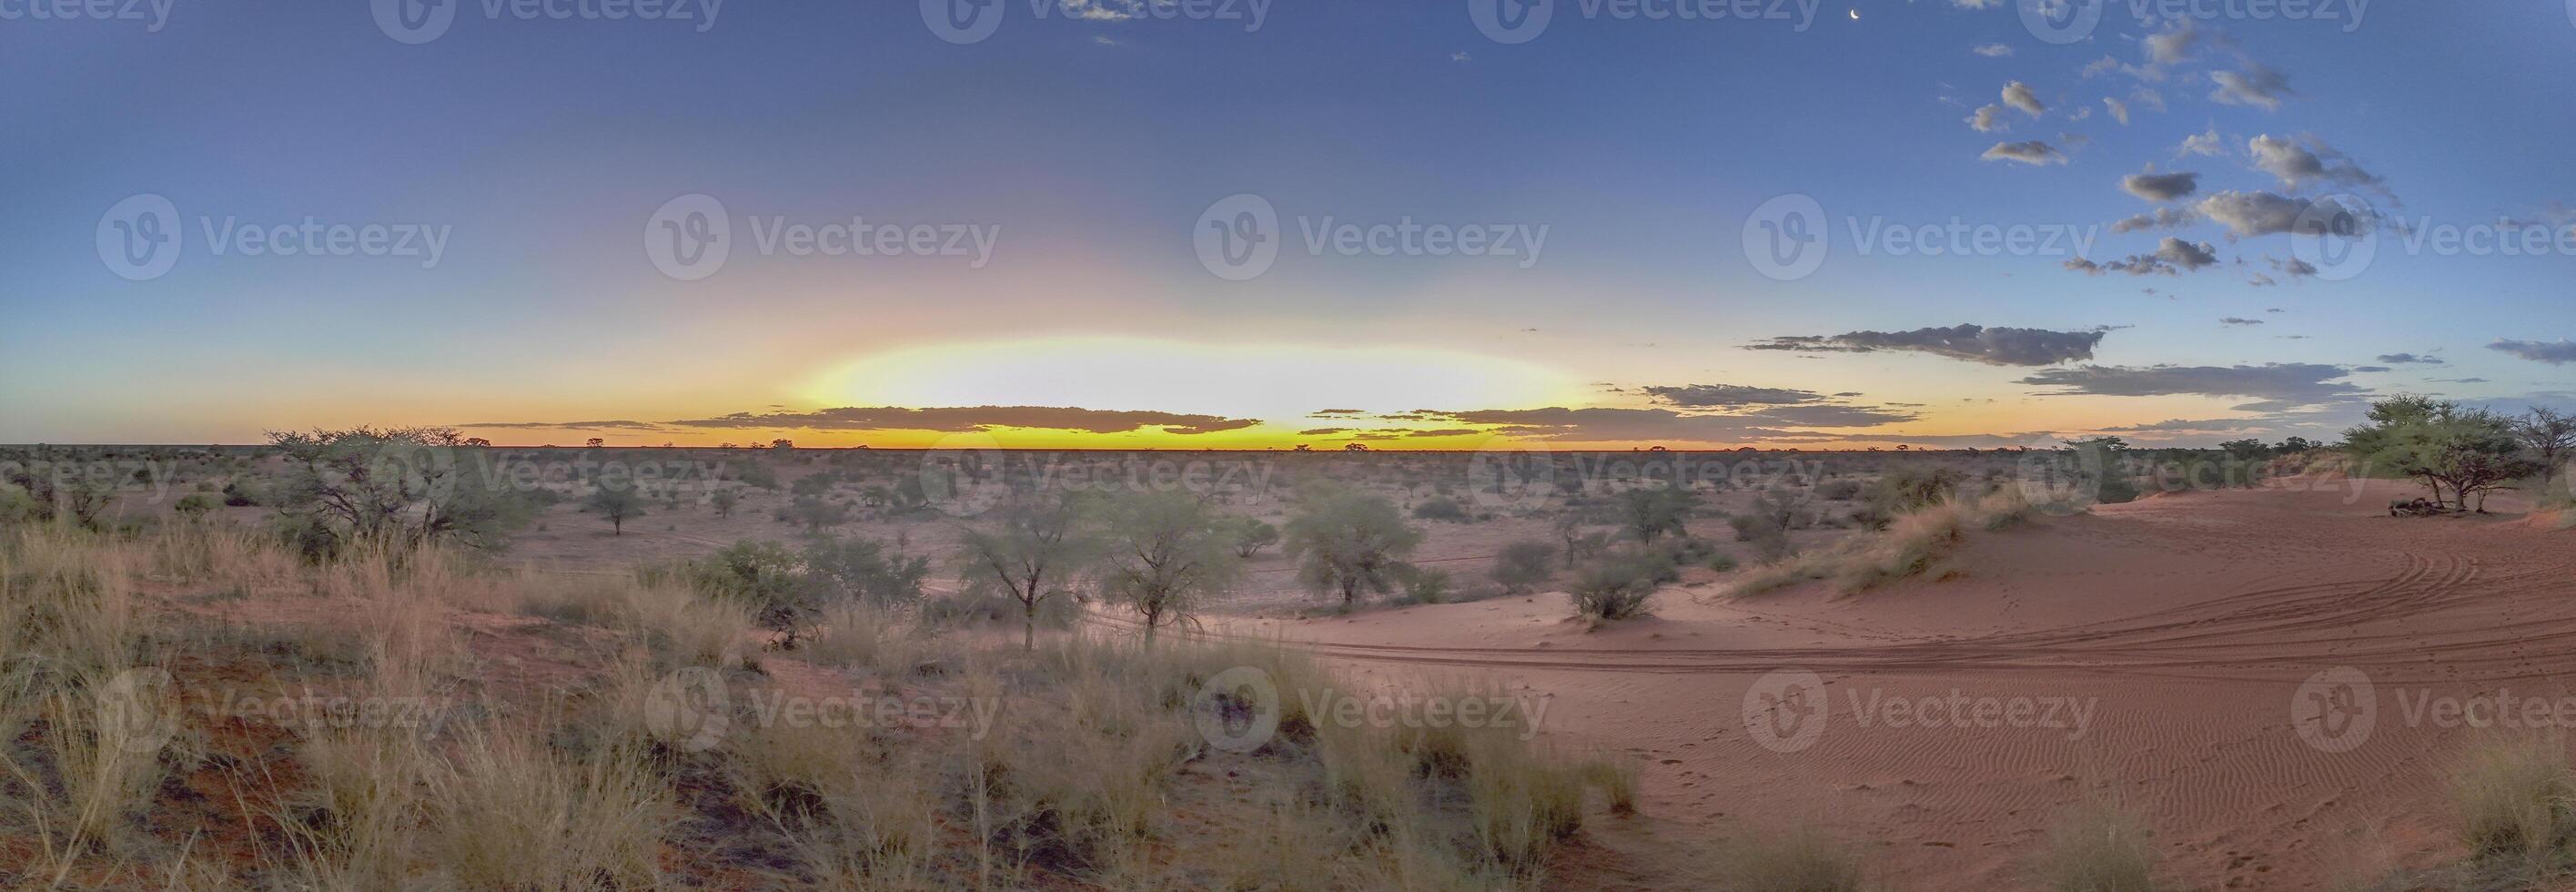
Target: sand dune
column 2154, row 653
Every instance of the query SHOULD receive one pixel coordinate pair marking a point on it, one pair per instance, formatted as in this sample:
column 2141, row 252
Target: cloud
column 569, row 425
column 2239, row 320
column 1832, row 416
column 1703, row 396
column 2168, row 47
column 2031, row 152
column 2293, row 267
column 1613, row 425
column 2019, row 95
column 2285, row 384
column 1976, row 4
column 2265, row 213
column 2161, row 186
column 1992, row 50
column 2409, row 359
column 2256, row 86
column 2560, row 353
column 973, row 418
column 1996, row 345
column 2162, row 218
column 2172, row 257
column 1988, row 118
column 2260, row 280
column 2202, row 144
column 2297, row 166
column 2119, row 110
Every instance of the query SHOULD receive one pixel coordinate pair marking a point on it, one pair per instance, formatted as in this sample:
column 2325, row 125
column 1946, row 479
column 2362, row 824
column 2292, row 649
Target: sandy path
column 2154, row 652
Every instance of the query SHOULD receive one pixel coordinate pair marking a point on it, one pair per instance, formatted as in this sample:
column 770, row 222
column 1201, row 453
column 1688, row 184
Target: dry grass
column 2098, row 848
column 1910, row 546
column 508, row 812
column 2517, row 800
column 1804, row 859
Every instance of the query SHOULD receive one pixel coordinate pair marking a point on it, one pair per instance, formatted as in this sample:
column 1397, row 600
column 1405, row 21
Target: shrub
column 1423, row 585
column 1651, row 513
column 195, row 506
column 1348, row 541
column 864, row 569
column 1618, row 585
column 2097, row 848
column 1523, row 565
column 1441, row 508
column 2517, row 798
column 1802, row 860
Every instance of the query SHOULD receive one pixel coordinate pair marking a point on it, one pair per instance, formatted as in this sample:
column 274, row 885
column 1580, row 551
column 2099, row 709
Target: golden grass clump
column 1804, row 859
column 2098, row 848
column 2517, row 799
column 1910, row 546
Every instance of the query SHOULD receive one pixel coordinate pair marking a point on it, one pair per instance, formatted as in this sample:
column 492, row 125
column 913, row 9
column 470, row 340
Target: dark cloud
column 2409, row 359
column 2288, row 384
column 2162, row 218
column 973, row 418
column 2264, row 213
column 2560, row 353
column 1704, row 396
column 570, row 425
column 2257, row 86
column 2161, row 186
column 2238, row 320
column 2172, row 256
column 2030, row 152
column 1832, row 416
column 1996, row 345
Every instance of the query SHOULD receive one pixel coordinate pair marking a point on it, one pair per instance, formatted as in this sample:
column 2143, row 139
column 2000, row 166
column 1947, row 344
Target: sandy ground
column 2159, row 654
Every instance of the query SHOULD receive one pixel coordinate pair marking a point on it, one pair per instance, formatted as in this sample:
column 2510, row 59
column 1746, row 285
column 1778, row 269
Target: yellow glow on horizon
column 1279, row 383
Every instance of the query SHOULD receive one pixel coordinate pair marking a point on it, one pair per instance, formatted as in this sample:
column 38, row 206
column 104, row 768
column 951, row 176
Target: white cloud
column 2031, row 152
column 1988, row 118
column 1993, row 51
column 2019, row 95
column 2119, row 110
column 2257, row 86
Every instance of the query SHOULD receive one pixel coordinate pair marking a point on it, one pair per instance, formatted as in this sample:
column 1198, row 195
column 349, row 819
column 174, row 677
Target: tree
column 814, row 513
column 2248, row 448
column 617, row 503
column 724, row 501
column 1164, row 553
column 1251, row 534
column 1348, row 540
column 1650, row 513
column 864, row 569
column 594, row 443
column 2438, row 442
column 2296, row 445
column 401, row 486
column 762, row 575
column 2549, row 434
column 1521, row 566
column 1037, row 541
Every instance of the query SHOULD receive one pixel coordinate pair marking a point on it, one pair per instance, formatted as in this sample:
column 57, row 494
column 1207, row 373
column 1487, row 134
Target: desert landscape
column 374, row 658
column 1159, row 445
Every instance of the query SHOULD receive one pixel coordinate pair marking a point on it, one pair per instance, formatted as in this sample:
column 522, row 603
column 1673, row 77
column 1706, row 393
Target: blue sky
column 1088, row 143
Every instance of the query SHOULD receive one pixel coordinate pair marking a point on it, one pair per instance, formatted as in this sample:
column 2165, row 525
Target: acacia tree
column 1037, row 542
column 1653, row 512
column 2471, row 451
column 2549, row 434
column 1164, row 553
column 617, row 504
column 1348, row 540
column 403, row 486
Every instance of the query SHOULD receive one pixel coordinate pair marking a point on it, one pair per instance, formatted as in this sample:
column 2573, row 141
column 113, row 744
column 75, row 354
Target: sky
column 1240, row 224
